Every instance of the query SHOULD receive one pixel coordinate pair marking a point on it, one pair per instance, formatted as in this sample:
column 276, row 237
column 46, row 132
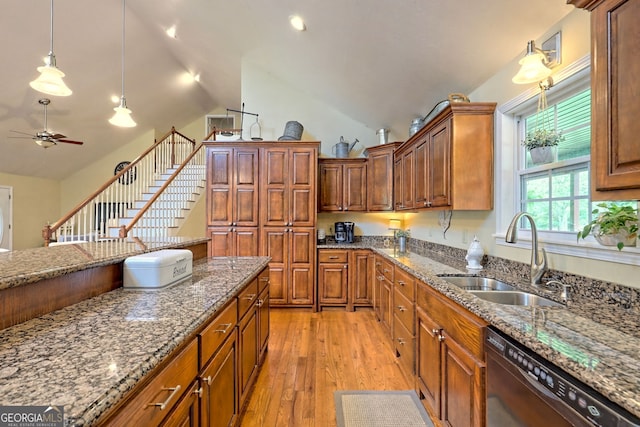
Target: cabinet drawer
column 460, row 324
column 247, row 298
column 385, row 268
column 404, row 343
column 332, row 256
column 217, row 331
column 405, row 283
column 404, row 310
column 263, row 280
column 156, row 400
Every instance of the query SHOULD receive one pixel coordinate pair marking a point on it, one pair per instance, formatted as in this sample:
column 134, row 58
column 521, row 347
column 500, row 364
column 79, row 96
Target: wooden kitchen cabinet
column 382, row 292
column 342, row 185
column 219, row 406
column 288, row 186
column 436, row 168
column 615, row 146
column 450, row 366
column 380, row 177
column 333, row 277
column 232, row 200
column 403, row 319
column 292, row 266
column 187, row 412
column 264, row 320
column 248, row 332
column 233, row 241
column 360, row 278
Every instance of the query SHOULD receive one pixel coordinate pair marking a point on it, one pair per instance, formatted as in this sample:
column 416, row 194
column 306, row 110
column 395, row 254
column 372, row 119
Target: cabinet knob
column 435, row 331
column 401, row 341
column 198, row 392
column 346, row 209
column 401, row 283
column 401, row 308
column 441, row 337
column 340, row 208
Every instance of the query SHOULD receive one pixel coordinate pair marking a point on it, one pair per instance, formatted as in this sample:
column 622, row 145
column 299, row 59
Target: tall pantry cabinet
column 276, row 182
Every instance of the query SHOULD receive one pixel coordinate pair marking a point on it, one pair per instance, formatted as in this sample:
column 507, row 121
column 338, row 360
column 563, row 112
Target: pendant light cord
column 123, row 25
column 51, row 27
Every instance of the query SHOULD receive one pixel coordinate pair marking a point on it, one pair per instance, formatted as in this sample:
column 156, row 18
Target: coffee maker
column 344, row 232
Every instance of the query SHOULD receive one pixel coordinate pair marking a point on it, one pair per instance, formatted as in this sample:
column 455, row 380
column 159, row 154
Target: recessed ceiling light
column 297, row 22
column 171, row 32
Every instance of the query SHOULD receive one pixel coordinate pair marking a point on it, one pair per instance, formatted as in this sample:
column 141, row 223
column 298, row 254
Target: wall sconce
column 537, row 63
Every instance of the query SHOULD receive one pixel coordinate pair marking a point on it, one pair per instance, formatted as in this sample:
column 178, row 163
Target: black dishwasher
column 523, row 389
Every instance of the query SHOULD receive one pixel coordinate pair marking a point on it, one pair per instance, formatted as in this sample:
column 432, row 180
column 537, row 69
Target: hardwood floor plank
column 310, row 356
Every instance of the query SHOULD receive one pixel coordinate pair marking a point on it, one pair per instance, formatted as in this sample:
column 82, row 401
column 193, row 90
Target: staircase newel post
column 173, row 146
column 46, row 234
column 123, row 231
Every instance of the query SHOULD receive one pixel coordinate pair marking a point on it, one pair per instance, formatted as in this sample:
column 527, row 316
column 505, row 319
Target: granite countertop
column 31, row 265
column 602, row 353
column 88, row 355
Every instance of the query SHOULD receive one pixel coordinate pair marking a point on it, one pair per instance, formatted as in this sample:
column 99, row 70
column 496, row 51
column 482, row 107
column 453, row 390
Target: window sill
column 587, row 248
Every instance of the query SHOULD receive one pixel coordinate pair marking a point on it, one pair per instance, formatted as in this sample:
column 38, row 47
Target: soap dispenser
column 474, row 255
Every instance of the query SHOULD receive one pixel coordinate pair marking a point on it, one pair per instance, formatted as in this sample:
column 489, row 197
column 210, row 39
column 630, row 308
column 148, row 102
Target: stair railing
column 172, row 197
column 89, row 220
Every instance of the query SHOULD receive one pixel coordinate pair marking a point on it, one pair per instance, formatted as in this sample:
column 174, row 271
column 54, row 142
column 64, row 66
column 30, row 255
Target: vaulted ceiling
column 378, row 61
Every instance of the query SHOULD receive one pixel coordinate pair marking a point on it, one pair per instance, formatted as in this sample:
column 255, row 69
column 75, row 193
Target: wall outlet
column 465, row 236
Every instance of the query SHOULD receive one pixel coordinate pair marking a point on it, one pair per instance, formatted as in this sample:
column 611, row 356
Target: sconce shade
column 532, row 66
column 122, row 117
column 394, row 224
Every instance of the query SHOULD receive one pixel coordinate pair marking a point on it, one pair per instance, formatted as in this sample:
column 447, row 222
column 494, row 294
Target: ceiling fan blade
column 23, row 133
column 57, row 136
column 68, row 141
column 21, row 137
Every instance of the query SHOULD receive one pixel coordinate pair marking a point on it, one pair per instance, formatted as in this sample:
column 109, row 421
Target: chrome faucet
column 538, row 264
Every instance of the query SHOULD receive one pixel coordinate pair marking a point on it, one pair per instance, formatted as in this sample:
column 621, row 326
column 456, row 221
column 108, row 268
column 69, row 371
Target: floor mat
column 365, row 408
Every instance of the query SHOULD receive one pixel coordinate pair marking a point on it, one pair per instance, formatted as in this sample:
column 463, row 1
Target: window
column 556, row 194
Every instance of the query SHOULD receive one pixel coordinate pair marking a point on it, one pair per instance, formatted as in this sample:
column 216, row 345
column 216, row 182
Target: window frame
column 507, row 178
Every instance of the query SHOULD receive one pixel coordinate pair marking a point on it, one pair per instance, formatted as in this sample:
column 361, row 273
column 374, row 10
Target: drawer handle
column 164, row 404
column 386, row 270
column 225, row 326
column 250, row 297
column 333, row 257
column 259, row 303
column 401, row 308
column 401, row 341
column 264, row 279
column 198, row 392
column 401, row 283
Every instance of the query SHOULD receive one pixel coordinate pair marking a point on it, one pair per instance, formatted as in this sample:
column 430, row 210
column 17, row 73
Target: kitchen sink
column 515, row 298
column 475, row 283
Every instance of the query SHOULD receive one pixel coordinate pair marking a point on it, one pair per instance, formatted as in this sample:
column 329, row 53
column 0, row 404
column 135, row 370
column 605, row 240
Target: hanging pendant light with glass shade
column 122, row 117
column 50, row 79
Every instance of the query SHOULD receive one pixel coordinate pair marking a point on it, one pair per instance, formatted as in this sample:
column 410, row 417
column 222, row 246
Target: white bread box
column 157, row 269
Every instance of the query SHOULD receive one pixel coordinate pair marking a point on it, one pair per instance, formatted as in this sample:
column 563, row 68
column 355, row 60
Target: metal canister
column 416, row 125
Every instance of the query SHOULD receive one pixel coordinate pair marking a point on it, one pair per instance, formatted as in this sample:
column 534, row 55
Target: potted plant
column 613, row 225
column 543, row 140
column 402, row 235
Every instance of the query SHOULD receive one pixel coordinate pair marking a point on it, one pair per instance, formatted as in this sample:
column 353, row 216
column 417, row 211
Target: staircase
column 149, row 198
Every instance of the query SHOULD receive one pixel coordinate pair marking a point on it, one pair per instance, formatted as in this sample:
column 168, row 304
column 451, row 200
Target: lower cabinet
column 450, row 366
column 383, row 285
column 345, row 278
column 207, row 382
column 404, row 320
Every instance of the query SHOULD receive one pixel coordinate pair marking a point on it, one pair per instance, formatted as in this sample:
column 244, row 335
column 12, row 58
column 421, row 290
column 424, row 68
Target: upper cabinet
column 380, row 177
column 342, row 185
column 615, row 82
column 448, row 164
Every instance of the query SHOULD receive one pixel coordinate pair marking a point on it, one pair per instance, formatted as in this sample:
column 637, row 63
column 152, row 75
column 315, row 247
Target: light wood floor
column 310, row 356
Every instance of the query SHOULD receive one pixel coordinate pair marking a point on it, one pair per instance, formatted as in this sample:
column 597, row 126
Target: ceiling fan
column 46, row 138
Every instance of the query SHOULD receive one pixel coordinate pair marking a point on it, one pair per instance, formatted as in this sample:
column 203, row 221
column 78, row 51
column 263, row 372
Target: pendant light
column 50, row 79
column 122, row 117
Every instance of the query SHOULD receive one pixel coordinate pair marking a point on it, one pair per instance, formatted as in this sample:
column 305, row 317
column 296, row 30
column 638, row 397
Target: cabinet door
column 220, row 386
column 428, row 361
column 274, row 187
column 386, row 305
column 330, row 187
column 615, row 146
column 302, row 186
column 248, row 352
column 245, row 241
column 398, row 186
column 221, row 243
column 245, row 187
column 423, row 198
column 355, row 187
column 462, row 387
column 187, row 411
column 274, row 243
column 233, row 241
column 361, row 278
column 380, row 181
column 440, row 164
column 302, row 265
column 263, row 322
column 219, row 186
column 332, row 284
column 408, row 180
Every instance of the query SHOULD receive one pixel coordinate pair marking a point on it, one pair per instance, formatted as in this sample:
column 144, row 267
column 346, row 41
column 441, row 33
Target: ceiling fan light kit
column 50, row 79
column 122, row 117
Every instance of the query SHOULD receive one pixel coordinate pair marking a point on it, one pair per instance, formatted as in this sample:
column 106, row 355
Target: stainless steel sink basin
column 515, row 298
column 474, row 283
